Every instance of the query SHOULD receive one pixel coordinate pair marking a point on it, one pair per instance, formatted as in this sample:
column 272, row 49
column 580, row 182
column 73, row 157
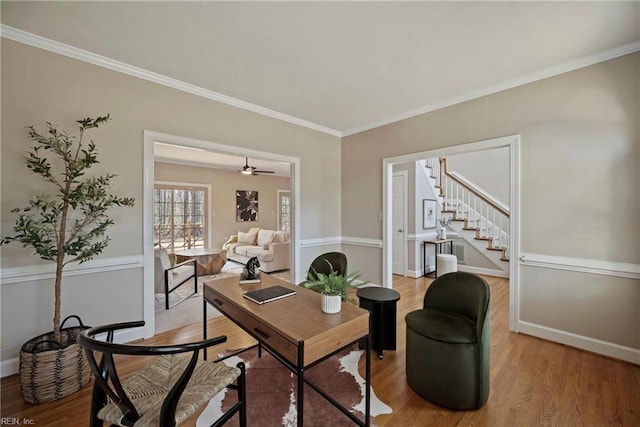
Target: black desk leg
column 424, row 259
column 300, row 403
column 204, row 324
column 367, row 404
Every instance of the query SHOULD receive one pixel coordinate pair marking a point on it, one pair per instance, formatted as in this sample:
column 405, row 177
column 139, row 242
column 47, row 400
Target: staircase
column 477, row 217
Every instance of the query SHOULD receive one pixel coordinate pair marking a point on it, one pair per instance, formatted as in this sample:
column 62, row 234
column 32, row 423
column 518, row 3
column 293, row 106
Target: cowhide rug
column 271, row 392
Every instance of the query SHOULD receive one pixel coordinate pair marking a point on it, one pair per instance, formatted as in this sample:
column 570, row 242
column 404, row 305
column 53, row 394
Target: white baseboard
column 484, row 271
column 628, row 354
column 475, row 270
column 11, row 366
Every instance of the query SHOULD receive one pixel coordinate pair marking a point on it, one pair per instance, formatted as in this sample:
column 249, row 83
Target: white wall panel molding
column 341, row 240
column 11, row 366
column 121, row 67
column 616, row 351
column 32, row 273
column 360, row 241
column 423, row 236
column 581, row 265
column 308, row 243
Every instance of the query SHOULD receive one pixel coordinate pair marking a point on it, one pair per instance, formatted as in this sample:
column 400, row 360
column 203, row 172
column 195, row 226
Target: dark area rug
column 271, row 392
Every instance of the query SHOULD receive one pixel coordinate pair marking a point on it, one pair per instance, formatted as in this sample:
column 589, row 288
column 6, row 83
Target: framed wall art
column 428, row 213
column 246, row 205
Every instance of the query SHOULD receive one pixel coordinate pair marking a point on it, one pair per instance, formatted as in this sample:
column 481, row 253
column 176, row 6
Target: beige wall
column 223, row 196
column 579, row 195
column 580, row 157
column 39, row 86
column 486, row 169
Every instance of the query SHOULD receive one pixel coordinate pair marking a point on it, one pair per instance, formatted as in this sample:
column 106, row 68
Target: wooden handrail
column 444, row 171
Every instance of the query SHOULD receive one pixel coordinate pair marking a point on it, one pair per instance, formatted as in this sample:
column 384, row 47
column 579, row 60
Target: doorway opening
column 150, row 141
column 513, row 144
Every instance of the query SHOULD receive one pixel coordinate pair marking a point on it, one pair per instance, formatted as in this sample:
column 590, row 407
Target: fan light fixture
column 250, row 170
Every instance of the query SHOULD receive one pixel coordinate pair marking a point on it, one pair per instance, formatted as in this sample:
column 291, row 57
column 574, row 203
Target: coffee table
column 208, row 260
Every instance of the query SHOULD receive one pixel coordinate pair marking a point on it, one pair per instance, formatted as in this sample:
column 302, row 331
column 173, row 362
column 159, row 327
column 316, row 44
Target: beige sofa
column 272, row 248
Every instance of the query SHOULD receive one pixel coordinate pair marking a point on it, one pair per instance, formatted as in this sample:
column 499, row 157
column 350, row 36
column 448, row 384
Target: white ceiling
column 340, row 66
column 168, row 153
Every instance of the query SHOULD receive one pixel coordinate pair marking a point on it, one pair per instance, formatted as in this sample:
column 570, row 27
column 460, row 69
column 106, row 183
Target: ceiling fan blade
column 251, row 170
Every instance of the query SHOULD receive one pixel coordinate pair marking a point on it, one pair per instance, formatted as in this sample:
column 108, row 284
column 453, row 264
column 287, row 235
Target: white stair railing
column 479, row 211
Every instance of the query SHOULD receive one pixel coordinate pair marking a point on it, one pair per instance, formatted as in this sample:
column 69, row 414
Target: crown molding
column 40, row 42
column 34, row 40
column 576, row 64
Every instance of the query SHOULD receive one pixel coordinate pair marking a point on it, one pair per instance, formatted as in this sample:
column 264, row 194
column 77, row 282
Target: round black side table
column 381, row 302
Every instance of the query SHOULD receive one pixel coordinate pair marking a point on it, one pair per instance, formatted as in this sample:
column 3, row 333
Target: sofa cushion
column 242, row 249
column 247, row 238
column 264, row 238
column 262, row 254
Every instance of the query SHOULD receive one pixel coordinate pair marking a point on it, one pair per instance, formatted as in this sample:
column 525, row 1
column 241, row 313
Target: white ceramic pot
column 443, row 233
column 331, row 304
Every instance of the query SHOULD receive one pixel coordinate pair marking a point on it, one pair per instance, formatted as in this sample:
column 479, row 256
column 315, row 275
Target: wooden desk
column 293, row 329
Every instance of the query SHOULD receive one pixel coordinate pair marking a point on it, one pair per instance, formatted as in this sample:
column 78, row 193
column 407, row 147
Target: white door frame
column 147, row 206
column 405, row 219
column 513, row 143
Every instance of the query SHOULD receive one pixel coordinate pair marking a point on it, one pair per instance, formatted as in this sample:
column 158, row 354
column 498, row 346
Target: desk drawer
column 255, row 327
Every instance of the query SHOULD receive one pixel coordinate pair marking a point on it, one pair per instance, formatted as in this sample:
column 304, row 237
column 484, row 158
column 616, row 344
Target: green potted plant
column 67, row 225
column 333, row 287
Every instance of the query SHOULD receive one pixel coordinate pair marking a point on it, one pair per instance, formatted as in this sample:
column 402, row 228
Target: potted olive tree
column 333, row 287
column 65, row 225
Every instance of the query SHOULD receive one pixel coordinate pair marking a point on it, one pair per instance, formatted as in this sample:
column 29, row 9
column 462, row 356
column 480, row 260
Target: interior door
column 398, row 220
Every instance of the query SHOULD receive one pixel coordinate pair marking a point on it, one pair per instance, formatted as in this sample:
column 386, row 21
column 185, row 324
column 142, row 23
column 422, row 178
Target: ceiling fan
column 250, row 170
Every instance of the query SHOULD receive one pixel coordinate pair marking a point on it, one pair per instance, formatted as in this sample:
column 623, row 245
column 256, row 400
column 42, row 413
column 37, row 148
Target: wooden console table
column 438, row 249
column 294, row 330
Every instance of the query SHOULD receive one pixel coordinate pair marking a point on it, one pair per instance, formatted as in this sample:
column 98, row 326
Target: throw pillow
column 247, row 238
column 265, row 237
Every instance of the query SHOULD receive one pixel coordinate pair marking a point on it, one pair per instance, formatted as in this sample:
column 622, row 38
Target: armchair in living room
column 169, row 277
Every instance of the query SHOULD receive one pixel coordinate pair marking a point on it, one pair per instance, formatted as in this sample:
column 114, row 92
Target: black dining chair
column 164, row 393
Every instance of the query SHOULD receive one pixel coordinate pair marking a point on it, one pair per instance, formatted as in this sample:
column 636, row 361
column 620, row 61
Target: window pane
column 179, row 215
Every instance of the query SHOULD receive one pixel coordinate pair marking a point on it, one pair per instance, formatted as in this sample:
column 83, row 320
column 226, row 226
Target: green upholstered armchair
column 447, row 360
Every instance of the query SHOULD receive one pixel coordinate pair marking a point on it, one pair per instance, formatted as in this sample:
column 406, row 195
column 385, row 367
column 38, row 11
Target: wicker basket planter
column 50, row 370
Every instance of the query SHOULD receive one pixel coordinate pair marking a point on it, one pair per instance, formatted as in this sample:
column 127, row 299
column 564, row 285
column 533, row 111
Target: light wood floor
column 533, row 382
